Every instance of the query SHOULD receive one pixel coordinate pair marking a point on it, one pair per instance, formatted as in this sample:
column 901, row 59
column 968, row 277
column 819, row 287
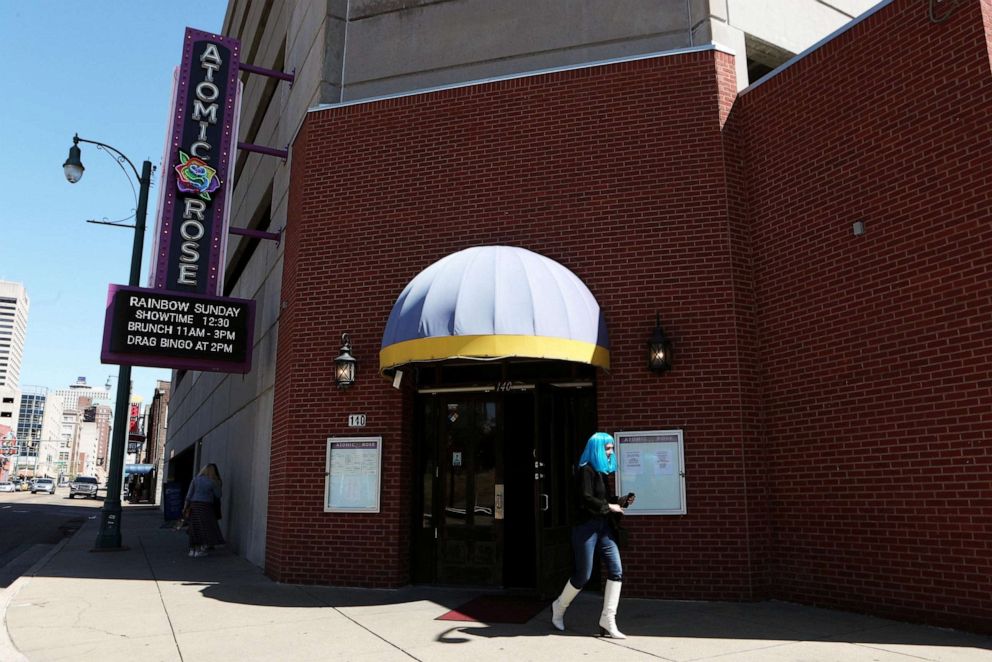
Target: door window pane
column 485, row 464
column 456, row 442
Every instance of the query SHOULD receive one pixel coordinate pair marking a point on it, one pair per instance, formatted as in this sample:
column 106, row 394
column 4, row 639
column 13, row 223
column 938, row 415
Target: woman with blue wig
column 594, row 529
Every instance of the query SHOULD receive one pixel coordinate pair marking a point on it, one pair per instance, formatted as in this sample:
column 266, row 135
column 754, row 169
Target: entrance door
column 566, row 418
column 494, row 486
column 467, row 437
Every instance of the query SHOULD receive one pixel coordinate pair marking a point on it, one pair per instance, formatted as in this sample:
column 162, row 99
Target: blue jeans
column 585, row 538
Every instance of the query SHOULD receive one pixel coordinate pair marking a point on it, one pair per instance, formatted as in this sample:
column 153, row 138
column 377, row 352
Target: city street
column 31, row 524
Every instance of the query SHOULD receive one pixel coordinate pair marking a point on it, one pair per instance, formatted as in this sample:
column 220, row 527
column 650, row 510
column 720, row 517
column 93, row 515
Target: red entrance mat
column 496, row 609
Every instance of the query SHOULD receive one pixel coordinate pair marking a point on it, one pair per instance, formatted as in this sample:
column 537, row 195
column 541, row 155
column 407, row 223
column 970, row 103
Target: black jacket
column 593, row 498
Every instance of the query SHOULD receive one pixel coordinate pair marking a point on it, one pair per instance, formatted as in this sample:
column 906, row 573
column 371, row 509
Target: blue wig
column 595, row 454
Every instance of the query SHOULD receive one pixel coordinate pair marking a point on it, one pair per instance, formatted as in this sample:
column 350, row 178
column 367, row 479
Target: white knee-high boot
column 559, row 606
column 608, row 619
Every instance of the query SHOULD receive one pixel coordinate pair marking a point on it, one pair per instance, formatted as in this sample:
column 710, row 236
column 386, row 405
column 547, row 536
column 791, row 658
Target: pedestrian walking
column 202, row 511
column 594, row 529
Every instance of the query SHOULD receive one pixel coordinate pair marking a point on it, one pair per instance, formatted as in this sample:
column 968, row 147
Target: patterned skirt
column 203, row 529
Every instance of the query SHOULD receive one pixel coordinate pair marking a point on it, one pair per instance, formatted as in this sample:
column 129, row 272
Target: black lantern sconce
column 344, row 365
column 659, row 349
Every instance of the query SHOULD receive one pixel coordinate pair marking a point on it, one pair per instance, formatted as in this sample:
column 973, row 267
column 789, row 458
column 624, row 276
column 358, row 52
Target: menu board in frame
column 651, row 465
column 353, row 478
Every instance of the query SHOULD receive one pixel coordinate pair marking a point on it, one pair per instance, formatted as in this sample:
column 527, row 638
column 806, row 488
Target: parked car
column 83, row 486
column 43, row 485
column 7, row 487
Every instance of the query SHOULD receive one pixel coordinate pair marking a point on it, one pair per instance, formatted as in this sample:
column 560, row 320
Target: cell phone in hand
column 627, row 500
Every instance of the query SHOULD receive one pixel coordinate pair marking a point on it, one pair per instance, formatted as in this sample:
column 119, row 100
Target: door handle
column 545, row 503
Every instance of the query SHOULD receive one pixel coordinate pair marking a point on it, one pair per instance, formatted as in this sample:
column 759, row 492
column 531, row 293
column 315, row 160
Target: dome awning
column 493, row 302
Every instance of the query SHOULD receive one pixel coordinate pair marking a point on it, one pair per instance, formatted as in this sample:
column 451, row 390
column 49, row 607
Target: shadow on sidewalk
column 159, row 554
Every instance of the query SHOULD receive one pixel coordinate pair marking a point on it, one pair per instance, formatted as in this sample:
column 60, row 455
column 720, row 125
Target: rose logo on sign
column 195, row 176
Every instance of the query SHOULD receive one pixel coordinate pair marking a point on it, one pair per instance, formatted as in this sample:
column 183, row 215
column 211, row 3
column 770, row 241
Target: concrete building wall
column 70, row 438
column 51, row 425
column 430, row 43
column 10, row 407
column 157, row 430
column 14, row 306
column 86, row 449
column 228, row 419
column 71, row 394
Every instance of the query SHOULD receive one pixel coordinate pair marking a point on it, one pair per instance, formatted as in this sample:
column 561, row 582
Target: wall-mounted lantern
column 344, row 365
column 659, row 349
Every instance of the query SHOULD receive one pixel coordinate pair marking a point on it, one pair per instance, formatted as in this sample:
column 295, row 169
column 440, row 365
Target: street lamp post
column 109, row 536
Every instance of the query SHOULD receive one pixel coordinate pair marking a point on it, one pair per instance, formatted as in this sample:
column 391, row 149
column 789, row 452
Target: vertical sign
column 191, row 229
column 134, row 415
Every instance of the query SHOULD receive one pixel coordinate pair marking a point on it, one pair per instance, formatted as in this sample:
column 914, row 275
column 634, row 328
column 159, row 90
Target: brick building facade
column 832, row 384
column 817, row 247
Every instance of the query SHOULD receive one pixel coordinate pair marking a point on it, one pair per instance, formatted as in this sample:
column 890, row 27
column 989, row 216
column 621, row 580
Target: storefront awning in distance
column 492, row 302
column 139, row 469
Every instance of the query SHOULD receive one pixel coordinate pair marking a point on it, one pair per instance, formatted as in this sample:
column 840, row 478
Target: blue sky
column 103, row 70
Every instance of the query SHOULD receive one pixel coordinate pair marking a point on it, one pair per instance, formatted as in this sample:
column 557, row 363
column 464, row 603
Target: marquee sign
column 194, row 199
column 147, row 327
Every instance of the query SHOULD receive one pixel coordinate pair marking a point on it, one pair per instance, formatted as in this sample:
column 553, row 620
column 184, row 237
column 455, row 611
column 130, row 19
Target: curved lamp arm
column 120, row 156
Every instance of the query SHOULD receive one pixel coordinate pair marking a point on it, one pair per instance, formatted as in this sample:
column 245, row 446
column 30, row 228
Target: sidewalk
column 152, row 602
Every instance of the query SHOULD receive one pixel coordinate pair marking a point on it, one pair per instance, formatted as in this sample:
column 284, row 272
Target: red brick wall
column 323, row 298
column 875, row 349
column 614, row 171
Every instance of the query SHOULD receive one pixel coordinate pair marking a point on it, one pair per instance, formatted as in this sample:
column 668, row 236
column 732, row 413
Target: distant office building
column 70, row 438
column 39, row 424
column 83, row 404
column 10, row 398
column 156, row 418
column 104, row 423
column 94, row 421
column 13, row 328
column 8, row 450
column 155, row 424
column 70, row 396
column 47, row 462
column 87, row 445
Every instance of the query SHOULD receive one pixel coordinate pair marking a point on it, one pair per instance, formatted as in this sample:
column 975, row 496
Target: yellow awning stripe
column 492, row 347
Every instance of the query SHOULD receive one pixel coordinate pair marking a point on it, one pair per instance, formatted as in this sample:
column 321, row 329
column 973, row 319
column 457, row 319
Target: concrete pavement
column 152, row 602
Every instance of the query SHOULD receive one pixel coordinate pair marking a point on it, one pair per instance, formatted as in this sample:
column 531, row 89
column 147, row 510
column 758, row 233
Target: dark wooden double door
column 494, row 484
